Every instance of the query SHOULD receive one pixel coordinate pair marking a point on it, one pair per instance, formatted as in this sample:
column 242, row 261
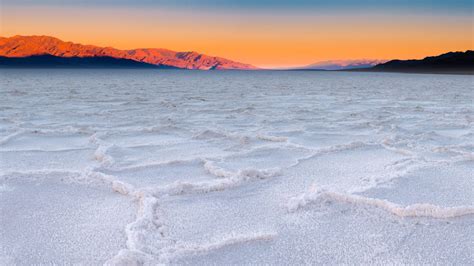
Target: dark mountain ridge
column 452, row 62
column 50, row 61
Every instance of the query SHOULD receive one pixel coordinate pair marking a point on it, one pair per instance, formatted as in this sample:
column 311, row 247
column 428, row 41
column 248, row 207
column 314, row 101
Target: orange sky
column 274, row 39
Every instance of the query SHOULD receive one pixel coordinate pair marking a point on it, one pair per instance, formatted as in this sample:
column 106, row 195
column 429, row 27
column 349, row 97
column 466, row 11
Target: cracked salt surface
column 179, row 167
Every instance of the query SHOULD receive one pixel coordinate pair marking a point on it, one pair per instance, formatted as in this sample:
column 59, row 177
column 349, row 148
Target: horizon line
column 260, row 66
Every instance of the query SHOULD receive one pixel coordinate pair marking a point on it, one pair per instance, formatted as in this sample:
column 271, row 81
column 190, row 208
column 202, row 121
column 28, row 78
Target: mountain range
column 46, row 50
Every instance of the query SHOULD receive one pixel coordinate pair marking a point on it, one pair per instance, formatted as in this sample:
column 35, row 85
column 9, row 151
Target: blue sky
column 444, row 6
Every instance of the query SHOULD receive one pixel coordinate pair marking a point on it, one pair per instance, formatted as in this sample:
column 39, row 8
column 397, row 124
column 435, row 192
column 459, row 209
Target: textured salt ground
column 147, row 155
column 46, row 221
column 163, row 174
column 444, row 185
column 46, row 142
column 342, row 234
column 235, row 168
column 351, row 168
column 68, row 160
column 264, row 158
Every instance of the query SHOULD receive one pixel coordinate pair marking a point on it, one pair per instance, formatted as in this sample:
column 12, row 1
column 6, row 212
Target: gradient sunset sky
column 264, row 33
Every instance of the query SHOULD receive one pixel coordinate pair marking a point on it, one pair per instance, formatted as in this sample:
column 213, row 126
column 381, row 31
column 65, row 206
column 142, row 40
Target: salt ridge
column 414, row 210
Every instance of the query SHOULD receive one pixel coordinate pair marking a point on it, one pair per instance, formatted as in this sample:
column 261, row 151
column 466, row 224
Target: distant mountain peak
column 344, row 64
column 36, row 45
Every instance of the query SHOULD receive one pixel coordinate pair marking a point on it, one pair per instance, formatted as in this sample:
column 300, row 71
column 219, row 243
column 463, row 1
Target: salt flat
column 235, row 167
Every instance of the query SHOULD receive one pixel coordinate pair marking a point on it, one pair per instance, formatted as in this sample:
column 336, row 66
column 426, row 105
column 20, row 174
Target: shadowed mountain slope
column 51, row 61
column 452, row 62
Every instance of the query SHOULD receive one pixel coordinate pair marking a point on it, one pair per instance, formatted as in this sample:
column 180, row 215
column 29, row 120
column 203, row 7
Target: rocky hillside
column 27, row 46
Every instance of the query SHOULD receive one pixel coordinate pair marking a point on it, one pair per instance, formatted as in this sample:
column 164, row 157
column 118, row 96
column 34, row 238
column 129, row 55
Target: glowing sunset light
column 277, row 35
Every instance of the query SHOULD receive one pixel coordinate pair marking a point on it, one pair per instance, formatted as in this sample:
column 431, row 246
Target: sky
column 264, row 33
